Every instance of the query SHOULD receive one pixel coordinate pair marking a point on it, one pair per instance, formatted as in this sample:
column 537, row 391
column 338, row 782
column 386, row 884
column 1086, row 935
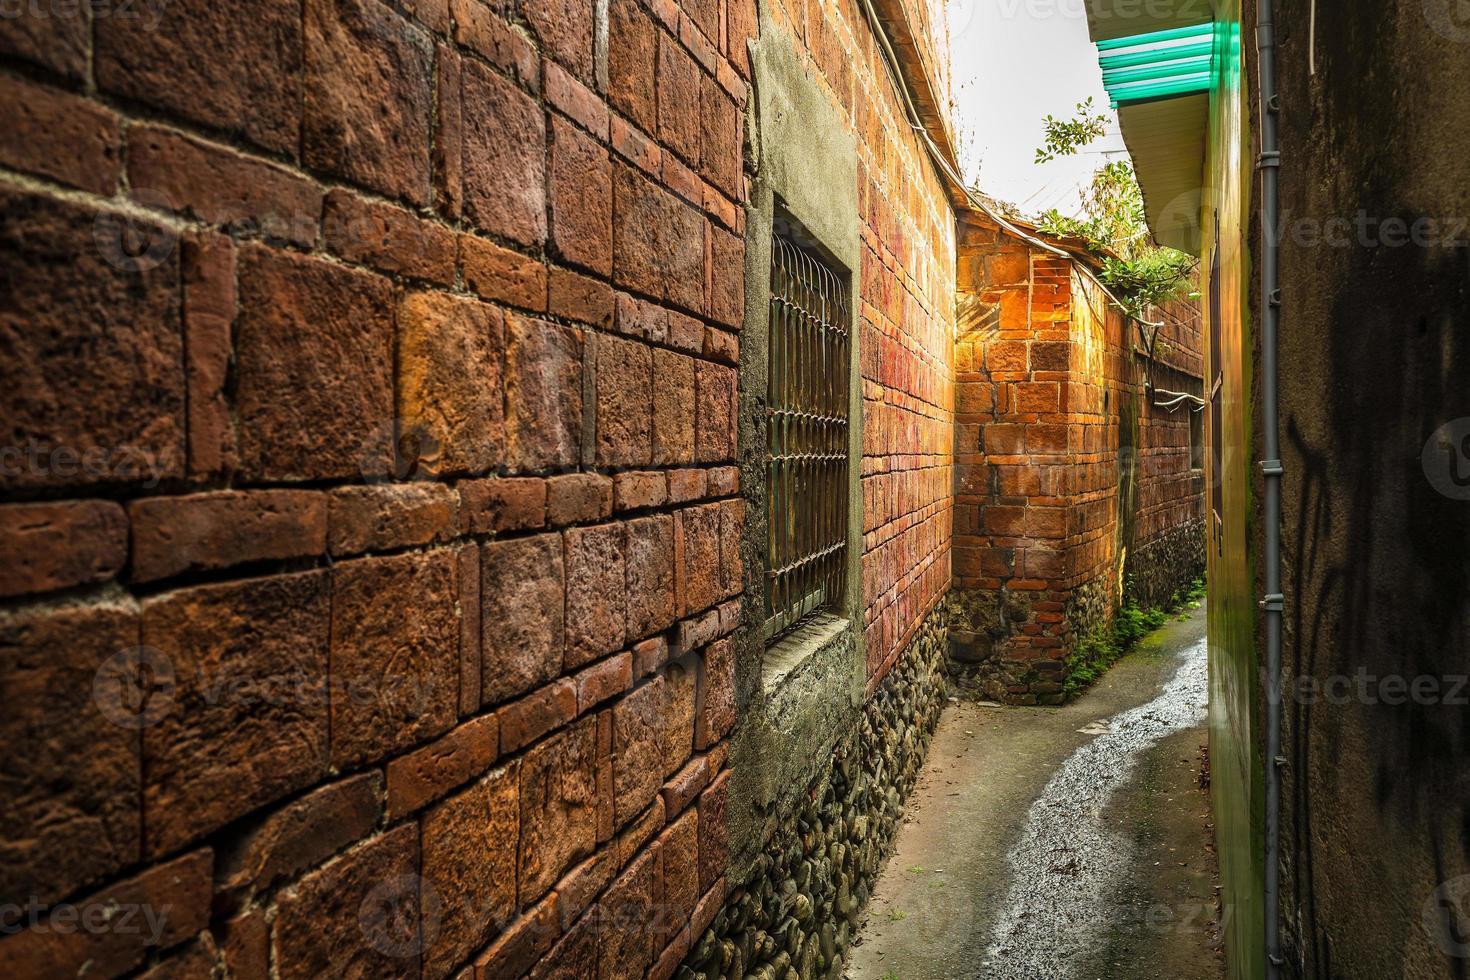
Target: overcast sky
column 1014, row 61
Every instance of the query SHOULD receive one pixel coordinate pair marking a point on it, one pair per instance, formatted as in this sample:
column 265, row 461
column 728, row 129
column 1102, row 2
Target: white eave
column 1166, row 137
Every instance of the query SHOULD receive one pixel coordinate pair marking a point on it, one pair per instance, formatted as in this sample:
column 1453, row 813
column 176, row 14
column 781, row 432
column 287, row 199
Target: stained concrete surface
column 1111, row 875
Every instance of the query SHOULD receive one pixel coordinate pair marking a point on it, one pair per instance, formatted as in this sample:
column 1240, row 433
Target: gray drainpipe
column 1273, row 602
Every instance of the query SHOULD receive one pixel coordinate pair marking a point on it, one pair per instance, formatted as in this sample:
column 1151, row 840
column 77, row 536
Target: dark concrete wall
column 1375, row 359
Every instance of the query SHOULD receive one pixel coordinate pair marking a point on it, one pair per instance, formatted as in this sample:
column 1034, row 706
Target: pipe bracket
column 1269, row 158
column 1272, row 467
column 1275, row 602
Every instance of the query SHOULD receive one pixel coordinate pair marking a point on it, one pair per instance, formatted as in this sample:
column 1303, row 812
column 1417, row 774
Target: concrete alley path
column 1063, row 843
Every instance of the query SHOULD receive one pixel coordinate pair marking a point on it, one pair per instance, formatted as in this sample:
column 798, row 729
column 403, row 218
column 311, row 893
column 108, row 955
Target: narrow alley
column 734, row 490
column 1071, row 843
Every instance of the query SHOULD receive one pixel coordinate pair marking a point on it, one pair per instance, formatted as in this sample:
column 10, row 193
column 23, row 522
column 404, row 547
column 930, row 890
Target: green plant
column 1066, row 136
column 1113, row 222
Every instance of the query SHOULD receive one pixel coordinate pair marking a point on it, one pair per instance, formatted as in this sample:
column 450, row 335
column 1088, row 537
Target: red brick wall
column 368, row 443
column 1062, row 470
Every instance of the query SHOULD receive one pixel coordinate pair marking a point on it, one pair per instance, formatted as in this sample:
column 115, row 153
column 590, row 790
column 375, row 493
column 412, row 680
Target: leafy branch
column 1064, row 137
column 1113, row 222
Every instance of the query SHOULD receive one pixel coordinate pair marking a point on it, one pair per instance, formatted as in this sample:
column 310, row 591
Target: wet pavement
column 1059, row 842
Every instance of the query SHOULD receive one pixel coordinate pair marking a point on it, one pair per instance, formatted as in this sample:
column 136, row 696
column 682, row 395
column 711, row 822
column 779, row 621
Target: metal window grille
column 807, row 423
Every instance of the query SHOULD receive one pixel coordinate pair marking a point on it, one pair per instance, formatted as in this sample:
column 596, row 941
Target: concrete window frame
column 796, row 697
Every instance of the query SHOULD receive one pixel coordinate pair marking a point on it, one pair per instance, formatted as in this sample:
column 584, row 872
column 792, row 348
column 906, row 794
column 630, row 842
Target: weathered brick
column 639, row 490
column 72, row 797
column 523, row 722
column 575, row 954
column 177, row 895
column 639, row 832
column 679, row 847
column 58, row 135
column 469, row 854
column 573, row 498
column 467, row 561
column 390, row 515
column 388, row 238
column 715, row 413
column 642, row 319
column 504, row 158
column 732, row 533
column 687, row 485
column 686, row 333
column 365, row 62
column 427, row 773
column 678, row 99
column 216, row 530
column 720, row 137
column 576, row 297
column 356, row 916
column 209, row 308
column 197, row 959
column 564, row 28
column 658, row 241
column 631, row 55
column 1036, row 397
column 558, row 794
column 624, row 384
column 515, row 950
column 686, row 785
column 626, row 916
column 92, row 390
column 604, row 680
column 446, row 156
column 581, row 199
column 303, row 833
column 727, row 280
column 637, row 757
column 220, row 187
column 714, row 836
column 244, row 944
column 184, row 57
column 543, row 394
column 511, row 504
column 524, row 602
column 58, row 545
column 673, row 408
column 698, row 579
column 650, row 570
column 480, row 25
column 502, row 275
column 55, row 38
column 596, row 600
column 577, row 102
column 315, row 364
column 716, row 707
column 449, row 356
column 677, row 718
column 722, row 346
column 396, row 663
column 634, row 147
column 247, row 720
column 649, row 656
column 724, row 481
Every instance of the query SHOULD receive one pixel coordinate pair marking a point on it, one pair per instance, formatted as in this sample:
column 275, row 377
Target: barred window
column 807, row 422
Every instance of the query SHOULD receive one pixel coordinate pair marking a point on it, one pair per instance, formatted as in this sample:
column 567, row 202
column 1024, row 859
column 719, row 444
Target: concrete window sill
column 816, row 635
